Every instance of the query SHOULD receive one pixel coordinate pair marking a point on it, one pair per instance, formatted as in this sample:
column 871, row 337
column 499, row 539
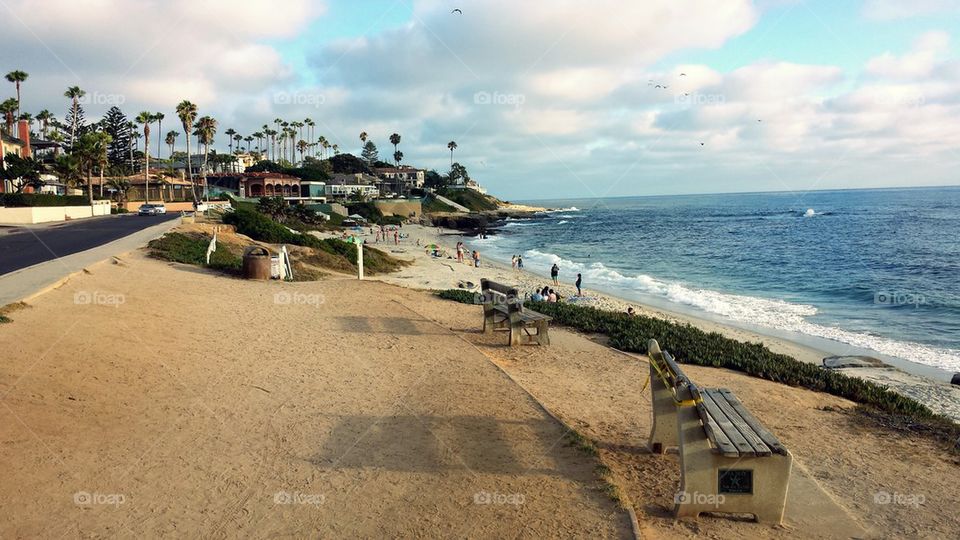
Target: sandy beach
column 441, row 273
column 144, row 398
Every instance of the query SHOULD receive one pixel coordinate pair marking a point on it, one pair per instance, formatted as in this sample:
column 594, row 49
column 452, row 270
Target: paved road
column 29, row 246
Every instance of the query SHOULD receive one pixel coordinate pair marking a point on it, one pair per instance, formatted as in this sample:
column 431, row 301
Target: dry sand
column 432, row 273
column 851, row 478
column 145, row 398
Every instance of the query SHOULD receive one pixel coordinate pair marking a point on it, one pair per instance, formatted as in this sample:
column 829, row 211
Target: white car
column 152, row 209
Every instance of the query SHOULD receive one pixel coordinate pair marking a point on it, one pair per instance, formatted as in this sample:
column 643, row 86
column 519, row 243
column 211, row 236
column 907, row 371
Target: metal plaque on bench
column 735, row 481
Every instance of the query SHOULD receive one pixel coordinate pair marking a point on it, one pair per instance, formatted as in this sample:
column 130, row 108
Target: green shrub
column 432, row 205
column 474, row 200
column 23, row 200
column 192, row 249
column 690, row 345
column 262, row 228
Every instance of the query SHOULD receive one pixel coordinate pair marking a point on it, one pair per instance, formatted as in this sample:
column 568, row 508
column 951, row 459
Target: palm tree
column 398, row 157
column 322, row 142
column 17, row 77
column 122, row 186
column 230, row 132
column 259, row 136
column 395, row 141
column 9, row 109
column 188, row 112
column 28, row 118
column 171, row 140
column 363, row 138
column 91, row 150
column 248, row 139
column 272, row 135
column 310, row 125
column 206, row 129
column 74, row 93
column 302, row 147
column 159, row 118
column 44, row 118
column 146, row 118
column 238, row 137
column 134, row 140
column 336, row 150
column 452, row 145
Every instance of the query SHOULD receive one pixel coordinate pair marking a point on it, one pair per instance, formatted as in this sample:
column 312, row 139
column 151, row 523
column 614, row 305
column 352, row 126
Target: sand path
column 146, row 399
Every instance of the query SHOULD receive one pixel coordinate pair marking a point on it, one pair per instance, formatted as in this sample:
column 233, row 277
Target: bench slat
column 715, row 434
column 768, row 438
column 749, row 434
column 731, row 431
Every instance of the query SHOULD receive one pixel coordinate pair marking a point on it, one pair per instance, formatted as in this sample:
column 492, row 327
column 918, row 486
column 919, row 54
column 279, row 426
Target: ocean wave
column 765, row 312
column 562, row 221
column 515, row 224
column 556, row 210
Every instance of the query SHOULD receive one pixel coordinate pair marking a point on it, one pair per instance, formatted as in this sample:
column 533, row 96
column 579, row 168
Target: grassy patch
column 6, row 310
column 458, row 295
column 191, row 248
column 690, row 345
column 474, row 200
column 431, row 205
column 4, row 319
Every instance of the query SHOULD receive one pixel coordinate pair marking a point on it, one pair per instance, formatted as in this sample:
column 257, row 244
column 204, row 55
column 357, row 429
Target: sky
column 546, row 99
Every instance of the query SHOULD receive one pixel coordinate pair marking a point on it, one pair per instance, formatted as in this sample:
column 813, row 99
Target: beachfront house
column 344, row 186
column 400, row 179
column 255, row 184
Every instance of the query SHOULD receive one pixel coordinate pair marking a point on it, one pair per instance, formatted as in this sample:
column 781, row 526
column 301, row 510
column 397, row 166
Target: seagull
column 701, row 144
column 658, row 86
column 758, row 120
column 683, row 74
column 456, row 11
column 666, row 86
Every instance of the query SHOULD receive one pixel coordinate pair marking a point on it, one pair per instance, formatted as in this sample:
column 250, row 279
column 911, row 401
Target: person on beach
column 555, row 274
column 630, row 311
column 513, row 261
column 578, row 283
column 460, row 252
column 536, row 296
column 552, row 297
column 396, row 237
column 520, row 262
column 476, row 259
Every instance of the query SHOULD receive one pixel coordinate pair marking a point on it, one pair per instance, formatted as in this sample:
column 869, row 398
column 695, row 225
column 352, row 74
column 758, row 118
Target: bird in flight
column 458, row 10
column 701, row 144
column 683, row 74
column 658, row 86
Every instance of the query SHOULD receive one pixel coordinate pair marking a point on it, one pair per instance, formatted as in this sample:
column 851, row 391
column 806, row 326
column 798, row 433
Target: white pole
column 359, row 259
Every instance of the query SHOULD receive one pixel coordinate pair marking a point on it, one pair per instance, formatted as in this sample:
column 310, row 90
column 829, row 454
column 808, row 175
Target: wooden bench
column 503, row 309
column 729, row 462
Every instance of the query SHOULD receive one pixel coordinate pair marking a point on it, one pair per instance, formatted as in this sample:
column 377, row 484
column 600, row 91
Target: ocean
column 874, row 269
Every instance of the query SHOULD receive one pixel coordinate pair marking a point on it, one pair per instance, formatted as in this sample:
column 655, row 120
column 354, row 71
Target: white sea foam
column 562, row 221
column 770, row 313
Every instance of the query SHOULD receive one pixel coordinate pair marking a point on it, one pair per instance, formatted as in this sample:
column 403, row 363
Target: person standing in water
column 520, row 262
column 578, row 283
column 555, row 274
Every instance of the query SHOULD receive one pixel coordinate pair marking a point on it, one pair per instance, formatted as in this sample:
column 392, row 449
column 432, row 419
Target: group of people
column 474, row 255
column 545, row 294
column 384, row 233
column 517, row 262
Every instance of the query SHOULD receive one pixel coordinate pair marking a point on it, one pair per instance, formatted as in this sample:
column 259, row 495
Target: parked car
column 152, row 209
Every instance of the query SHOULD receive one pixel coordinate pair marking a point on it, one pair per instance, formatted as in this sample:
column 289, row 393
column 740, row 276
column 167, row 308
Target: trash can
column 256, row 263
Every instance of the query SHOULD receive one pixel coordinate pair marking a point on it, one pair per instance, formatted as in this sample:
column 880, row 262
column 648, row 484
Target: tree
column 67, row 169
column 146, row 119
column 259, row 136
column 116, row 124
column 121, row 186
column 395, row 141
column 458, row 174
column 187, row 112
column 206, row 129
column 452, row 145
column 9, row 109
column 432, row 179
column 44, row 118
column 363, row 139
column 230, row 132
column 158, row 117
column 275, row 207
column 369, row 153
column 22, row 172
column 238, row 138
column 91, row 150
column 17, row 77
column 248, row 139
column 75, row 118
column 398, row 157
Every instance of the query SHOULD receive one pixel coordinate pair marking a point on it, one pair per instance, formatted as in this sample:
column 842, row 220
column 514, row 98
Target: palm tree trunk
column 193, row 186
column 206, row 191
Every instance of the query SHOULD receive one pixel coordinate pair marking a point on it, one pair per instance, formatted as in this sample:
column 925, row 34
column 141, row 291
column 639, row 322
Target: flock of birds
column 655, row 84
column 650, row 82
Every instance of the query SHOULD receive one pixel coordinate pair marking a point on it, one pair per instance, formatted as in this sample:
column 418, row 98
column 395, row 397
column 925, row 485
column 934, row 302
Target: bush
column 192, row 249
column 432, row 205
column 474, row 200
column 24, row 200
column 260, row 227
column 690, row 345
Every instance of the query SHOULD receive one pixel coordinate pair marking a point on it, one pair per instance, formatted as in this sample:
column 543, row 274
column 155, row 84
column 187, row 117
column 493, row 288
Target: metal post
column 359, row 258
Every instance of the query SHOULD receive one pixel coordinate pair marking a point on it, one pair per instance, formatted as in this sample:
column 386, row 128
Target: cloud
column 886, row 10
column 919, row 62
